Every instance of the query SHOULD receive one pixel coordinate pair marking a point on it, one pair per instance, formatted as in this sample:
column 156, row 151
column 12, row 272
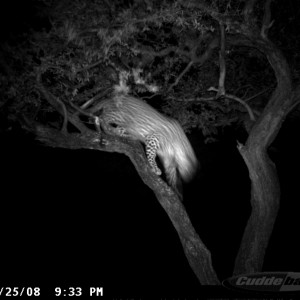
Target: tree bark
column 197, row 254
column 265, row 189
column 265, row 196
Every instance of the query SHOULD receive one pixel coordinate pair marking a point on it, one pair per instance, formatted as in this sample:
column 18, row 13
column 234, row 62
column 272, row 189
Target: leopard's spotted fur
column 161, row 135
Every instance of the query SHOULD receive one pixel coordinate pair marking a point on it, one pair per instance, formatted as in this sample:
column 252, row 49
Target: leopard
column 133, row 118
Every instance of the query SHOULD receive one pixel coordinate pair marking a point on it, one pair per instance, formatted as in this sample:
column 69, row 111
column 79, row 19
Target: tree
column 195, row 55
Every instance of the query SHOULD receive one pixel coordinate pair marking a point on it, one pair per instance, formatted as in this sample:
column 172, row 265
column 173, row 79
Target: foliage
column 80, row 47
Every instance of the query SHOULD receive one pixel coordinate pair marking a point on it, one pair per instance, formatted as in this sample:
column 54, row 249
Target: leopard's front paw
column 157, row 171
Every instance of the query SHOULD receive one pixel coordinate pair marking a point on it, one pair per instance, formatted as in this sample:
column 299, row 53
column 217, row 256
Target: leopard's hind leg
column 152, row 145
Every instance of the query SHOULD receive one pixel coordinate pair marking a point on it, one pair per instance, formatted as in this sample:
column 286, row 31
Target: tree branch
column 265, row 188
column 60, row 107
column 197, row 60
column 296, row 97
column 181, row 75
column 163, row 52
column 196, row 252
column 267, row 23
column 93, row 99
column 221, row 90
column 232, row 97
column 257, row 94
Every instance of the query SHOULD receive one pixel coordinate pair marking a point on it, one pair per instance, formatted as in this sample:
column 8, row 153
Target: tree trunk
column 265, row 189
column 265, row 196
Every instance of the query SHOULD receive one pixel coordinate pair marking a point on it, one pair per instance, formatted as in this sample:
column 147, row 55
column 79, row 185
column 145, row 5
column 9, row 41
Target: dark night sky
column 17, row 16
column 85, row 215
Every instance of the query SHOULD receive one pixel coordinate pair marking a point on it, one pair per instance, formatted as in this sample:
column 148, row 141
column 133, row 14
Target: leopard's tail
column 179, row 161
